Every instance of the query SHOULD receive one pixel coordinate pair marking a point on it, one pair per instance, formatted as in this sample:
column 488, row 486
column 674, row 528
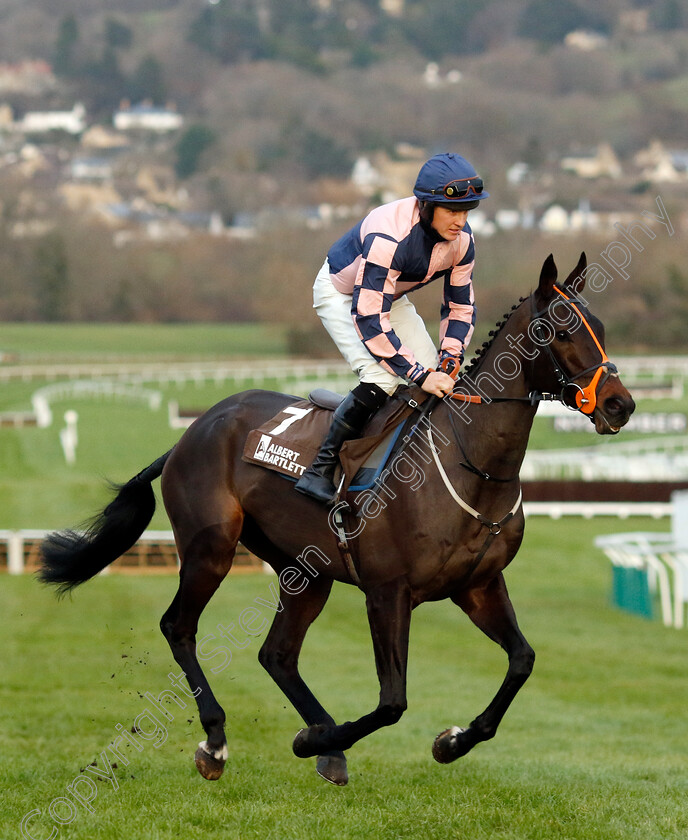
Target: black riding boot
column 348, row 421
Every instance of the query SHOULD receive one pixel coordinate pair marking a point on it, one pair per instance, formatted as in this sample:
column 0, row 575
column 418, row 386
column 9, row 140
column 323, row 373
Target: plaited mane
column 477, row 357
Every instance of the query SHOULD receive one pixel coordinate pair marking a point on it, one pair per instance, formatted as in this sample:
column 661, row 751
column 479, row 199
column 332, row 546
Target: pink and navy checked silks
column 389, row 254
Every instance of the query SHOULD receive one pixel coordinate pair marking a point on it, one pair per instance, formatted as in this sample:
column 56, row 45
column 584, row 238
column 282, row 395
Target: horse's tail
column 73, row 557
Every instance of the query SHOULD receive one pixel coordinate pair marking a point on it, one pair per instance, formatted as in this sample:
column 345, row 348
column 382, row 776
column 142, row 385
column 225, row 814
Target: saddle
column 289, row 441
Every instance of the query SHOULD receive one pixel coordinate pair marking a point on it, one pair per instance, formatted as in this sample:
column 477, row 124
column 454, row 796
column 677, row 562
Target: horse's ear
column 548, row 277
column 576, row 279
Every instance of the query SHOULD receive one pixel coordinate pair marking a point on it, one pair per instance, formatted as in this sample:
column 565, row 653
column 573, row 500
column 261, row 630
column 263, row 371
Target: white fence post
column 15, row 553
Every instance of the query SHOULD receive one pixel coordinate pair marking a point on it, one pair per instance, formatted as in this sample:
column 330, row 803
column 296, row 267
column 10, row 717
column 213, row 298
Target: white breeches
column 334, row 310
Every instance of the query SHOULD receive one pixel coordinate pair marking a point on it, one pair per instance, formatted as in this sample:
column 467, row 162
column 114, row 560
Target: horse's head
column 568, row 351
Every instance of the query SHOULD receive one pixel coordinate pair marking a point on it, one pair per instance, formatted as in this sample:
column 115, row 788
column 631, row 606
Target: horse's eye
column 562, row 335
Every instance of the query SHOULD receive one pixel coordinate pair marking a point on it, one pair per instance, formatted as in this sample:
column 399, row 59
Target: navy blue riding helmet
column 449, row 180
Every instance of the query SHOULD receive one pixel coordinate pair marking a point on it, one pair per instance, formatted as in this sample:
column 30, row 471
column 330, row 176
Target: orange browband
column 586, row 398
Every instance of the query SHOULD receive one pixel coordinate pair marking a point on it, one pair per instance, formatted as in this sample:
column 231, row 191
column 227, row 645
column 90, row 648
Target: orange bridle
column 584, row 398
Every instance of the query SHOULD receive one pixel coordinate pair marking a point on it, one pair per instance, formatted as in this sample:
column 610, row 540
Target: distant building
column 394, row 8
column 159, row 185
column 42, row 122
column 583, row 217
column 506, row 219
column 586, row 40
column 391, row 177
column 100, row 137
column 91, row 169
column 602, row 162
column 555, row 220
column 365, row 176
column 433, row 78
column 658, row 164
column 517, row 173
column 29, row 77
column 6, row 117
column 147, row 117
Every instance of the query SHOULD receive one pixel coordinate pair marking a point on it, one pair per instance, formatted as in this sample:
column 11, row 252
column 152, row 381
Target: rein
column 584, row 400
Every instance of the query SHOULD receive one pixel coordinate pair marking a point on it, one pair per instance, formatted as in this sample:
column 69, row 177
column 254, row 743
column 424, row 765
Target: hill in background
column 281, row 97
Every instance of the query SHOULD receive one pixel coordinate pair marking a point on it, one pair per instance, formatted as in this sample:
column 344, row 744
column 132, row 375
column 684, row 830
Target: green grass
column 57, row 342
column 594, row 747
column 117, row 439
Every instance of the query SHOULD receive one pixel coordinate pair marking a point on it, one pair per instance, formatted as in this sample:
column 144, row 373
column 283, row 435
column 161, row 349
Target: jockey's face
column 449, row 222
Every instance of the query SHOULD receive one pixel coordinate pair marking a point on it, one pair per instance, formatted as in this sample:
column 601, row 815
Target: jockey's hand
column 438, row 383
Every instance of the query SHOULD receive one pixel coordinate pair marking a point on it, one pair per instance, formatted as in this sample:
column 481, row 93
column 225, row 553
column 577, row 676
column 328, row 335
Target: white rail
column 14, row 545
column 255, row 371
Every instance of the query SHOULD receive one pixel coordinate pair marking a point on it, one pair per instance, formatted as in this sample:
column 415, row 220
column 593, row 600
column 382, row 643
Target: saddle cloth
column 290, row 440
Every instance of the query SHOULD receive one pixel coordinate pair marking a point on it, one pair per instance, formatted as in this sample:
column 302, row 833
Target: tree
column 667, row 14
column 117, row 34
column 51, row 278
column 190, row 146
column 103, row 84
column 440, row 27
column 147, row 82
column 322, row 155
column 229, row 31
column 67, row 38
column 551, row 22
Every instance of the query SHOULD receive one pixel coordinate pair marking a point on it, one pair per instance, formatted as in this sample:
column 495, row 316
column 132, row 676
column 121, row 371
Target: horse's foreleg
column 205, row 563
column 389, row 615
column 489, row 609
column 279, row 655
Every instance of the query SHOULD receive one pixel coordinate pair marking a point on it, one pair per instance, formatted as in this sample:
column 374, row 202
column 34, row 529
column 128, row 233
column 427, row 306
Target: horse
column 411, row 545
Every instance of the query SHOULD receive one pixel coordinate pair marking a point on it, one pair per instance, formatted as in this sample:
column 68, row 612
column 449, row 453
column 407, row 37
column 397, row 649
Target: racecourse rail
column 155, row 551
column 640, row 368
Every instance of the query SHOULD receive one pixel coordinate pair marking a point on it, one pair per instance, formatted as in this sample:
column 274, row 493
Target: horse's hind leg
column 205, row 563
column 489, row 609
column 279, row 656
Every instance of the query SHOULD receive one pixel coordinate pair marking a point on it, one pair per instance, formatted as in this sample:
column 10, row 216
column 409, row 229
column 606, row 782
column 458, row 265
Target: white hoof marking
column 218, row 755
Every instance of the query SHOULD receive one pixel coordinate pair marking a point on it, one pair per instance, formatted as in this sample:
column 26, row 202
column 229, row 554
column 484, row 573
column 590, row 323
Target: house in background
column 586, row 40
column 659, row 164
column 600, row 163
column 103, row 138
column 390, row 177
column 43, row 122
column 147, row 117
column 32, row 77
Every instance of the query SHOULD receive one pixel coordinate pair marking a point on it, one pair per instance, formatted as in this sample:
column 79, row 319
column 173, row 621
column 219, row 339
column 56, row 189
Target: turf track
column 594, row 747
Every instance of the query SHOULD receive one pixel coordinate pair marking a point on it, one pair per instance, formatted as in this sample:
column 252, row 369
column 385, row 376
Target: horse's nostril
column 619, row 405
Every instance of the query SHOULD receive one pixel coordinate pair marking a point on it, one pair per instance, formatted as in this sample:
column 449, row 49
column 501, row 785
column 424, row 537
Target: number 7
column 298, row 414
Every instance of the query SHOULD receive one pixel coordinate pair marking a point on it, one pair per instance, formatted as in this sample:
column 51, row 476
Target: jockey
column 360, row 296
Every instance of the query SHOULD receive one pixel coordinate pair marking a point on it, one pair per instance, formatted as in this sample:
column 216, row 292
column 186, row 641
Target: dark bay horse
column 452, row 537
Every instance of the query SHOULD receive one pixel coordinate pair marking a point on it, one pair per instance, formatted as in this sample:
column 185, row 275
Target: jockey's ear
column 576, row 279
column 548, row 277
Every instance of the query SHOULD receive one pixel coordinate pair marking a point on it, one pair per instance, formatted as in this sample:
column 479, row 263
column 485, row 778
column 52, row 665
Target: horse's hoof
column 332, row 768
column 208, row 766
column 445, row 747
column 304, row 745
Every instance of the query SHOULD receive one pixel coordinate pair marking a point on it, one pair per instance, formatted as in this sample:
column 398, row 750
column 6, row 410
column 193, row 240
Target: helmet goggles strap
column 460, row 188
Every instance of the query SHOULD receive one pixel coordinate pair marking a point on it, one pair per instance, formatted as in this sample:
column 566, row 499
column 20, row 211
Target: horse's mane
column 477, row 357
